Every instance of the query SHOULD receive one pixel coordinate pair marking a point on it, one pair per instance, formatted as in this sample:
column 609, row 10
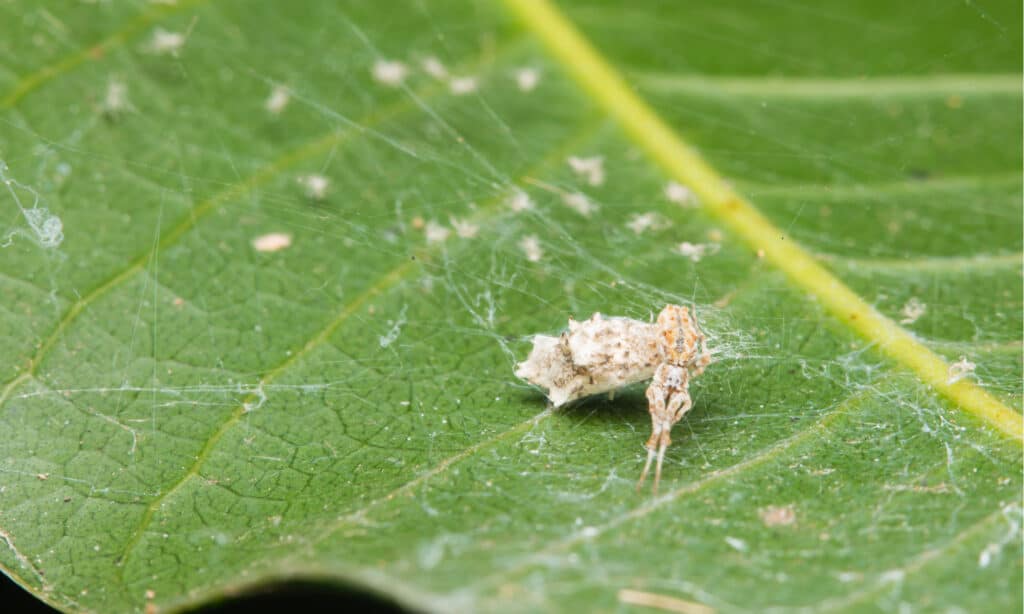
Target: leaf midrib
column 69, row 63
column 930, row 264
column 653, row 134
column 819, row 88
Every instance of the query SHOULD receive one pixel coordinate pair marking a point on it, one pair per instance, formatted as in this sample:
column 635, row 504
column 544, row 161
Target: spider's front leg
column 668, row 397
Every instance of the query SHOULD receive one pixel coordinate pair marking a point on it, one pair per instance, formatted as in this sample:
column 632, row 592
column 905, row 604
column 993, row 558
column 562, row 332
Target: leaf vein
column 379, row 287
column 775, row 450
column 31, row 82
column 848, row 88
column 191, row 219
column 597, row 77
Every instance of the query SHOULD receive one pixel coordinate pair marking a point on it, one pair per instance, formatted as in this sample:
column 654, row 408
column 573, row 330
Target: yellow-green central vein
column 683, row 163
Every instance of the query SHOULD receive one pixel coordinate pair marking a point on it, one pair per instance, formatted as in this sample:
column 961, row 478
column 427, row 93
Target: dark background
column 307, row 596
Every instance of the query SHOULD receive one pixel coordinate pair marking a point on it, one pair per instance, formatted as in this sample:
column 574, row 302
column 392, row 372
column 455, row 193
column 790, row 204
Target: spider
column 604, row 354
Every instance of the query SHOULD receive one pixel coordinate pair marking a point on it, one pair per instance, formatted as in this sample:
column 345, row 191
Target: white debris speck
column 272, row 242
column 592, row 169
column 912, row 310
column 696, row 251
column 390, row 72
column 316, row 186
column 464, row 229
column 166, row 43
column 590, row 532
column 435, row 232
column 736, row 544
column 45, row 228
column 986, row 555
column 960, row 369
column 433, row 67
column 531, row 247
column 774, row 516
column 893, row 576
column 460, row 86
column 679, row 194
column 527, row 79
column 115, row 101
column 278, row 100
column 1009, row 535
column 431, row 553
column 396, row 329
column 642, row 222
column 580, row 203
column 520, row 201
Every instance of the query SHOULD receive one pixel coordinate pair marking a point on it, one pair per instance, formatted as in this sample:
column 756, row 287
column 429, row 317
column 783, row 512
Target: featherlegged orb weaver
column 603, row 354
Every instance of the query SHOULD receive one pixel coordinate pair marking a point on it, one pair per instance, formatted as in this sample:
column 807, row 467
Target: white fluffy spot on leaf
column 433, row 67
column 316, row 186
column 390, row 72
column 278, row 99
column 679, row 194
column 464, row 228
column 737, row 544
column 642, row 222
column 164, row 42
column 460, row 86
column 591, row 169
column 912, row 310
column 435, row 232
column 527, row 79
column 272, row 242
column 579, row 203
column 531, row 248
column 960, row 369
column 774, row 516
column 520, row 201
column 115, row 100
column 696, row 251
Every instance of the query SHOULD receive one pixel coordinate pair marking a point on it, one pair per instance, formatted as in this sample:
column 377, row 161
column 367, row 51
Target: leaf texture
column 185, row 416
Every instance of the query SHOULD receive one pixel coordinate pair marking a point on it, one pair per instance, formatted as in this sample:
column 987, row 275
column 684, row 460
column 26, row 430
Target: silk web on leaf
column 208, row 414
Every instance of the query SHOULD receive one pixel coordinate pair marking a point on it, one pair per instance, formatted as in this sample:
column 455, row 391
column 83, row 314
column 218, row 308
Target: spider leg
column 647, row 467
column 669, row 399
column 656, row 405
column 657, row 469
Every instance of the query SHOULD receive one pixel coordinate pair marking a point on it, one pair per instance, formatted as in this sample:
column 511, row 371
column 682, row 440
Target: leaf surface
column 186, row 416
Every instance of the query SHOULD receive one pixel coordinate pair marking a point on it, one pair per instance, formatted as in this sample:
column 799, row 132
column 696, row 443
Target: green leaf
column 185, row 416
